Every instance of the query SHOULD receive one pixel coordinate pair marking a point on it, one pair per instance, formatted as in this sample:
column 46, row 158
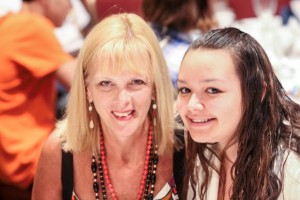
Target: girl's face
column 209, row 98
column 122, row 100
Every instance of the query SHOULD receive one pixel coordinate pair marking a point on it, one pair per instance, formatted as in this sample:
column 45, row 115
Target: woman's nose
column 194, row 103
column 123, row 95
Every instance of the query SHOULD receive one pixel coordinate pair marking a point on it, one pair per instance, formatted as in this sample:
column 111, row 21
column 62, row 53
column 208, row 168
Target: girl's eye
column 213, row 90
column 184, row 90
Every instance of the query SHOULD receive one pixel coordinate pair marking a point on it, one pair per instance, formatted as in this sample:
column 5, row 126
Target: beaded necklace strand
column 149, row 174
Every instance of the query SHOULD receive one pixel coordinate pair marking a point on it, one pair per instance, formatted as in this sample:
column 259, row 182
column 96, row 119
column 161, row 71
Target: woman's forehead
column 136, row 62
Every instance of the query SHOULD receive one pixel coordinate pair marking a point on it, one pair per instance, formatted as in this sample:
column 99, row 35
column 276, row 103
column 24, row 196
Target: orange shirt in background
column 29, row 56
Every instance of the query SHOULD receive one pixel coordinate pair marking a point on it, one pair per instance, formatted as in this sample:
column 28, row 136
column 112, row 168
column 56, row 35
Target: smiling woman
column 118, row 128
column 243, row 131
column 122, row 100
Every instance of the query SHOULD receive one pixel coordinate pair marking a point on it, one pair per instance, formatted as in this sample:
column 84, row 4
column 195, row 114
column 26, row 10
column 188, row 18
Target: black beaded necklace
column 150, row 180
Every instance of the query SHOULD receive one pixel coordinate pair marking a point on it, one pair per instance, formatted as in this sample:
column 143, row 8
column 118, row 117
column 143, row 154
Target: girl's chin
column 200, row 139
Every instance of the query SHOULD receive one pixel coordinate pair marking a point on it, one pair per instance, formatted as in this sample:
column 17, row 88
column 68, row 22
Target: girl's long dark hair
column 270, row 119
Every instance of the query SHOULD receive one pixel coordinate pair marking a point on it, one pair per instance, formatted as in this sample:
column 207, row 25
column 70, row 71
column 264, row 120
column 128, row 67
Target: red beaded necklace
column 149, row 173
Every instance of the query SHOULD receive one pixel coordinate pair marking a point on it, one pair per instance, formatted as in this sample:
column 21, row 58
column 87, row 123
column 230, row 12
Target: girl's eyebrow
column 205, row 80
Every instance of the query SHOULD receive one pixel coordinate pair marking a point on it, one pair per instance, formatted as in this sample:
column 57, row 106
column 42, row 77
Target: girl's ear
column 264, row 91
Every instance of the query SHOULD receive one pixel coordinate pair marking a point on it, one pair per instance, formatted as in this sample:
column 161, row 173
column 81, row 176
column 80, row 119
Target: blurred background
column 274, row 23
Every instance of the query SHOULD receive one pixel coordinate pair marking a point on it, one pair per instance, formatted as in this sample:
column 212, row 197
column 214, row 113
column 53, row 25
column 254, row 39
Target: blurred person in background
column 31, row 60
column 77, row 24
column 177, row 23
column 71, row 36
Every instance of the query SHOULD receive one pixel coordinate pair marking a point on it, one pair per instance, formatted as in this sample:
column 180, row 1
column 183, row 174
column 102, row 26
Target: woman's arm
column 47, row 180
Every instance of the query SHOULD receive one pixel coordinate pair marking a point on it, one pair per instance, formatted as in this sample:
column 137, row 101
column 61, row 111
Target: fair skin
column 122, row 102
column 209, row 98
column 210, row 101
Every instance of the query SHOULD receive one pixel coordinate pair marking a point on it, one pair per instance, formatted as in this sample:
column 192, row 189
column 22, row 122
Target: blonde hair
column 119, row 38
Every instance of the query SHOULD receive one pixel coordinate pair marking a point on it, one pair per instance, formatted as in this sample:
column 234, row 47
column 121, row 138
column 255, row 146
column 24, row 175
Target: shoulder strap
column 178, row 162
column 67, row 175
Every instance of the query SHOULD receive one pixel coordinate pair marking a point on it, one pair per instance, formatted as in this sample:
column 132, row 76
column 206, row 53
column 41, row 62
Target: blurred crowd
column 39, row 42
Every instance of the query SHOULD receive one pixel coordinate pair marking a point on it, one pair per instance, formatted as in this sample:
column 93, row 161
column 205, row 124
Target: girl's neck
column 229, row 158
column 230, row 155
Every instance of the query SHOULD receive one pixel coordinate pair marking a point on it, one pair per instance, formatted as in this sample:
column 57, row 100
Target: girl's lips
column 199, row 119
column 201, row 122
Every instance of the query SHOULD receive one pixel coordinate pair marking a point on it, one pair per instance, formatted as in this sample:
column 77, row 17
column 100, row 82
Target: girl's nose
column 194, row 103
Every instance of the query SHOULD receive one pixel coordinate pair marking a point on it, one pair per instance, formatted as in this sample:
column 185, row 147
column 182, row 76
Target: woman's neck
column 128, row 149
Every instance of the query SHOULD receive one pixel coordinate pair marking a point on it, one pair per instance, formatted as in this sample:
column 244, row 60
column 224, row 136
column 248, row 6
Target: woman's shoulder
column 53, row 143
column 49, row 169
column 51, row 152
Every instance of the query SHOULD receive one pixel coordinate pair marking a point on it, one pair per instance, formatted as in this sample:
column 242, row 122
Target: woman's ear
column 153, row 93
column 89, row 95
column 264, row 91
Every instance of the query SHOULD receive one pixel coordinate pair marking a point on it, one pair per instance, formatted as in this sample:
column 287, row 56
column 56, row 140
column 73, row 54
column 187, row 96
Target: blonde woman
column 118, row 129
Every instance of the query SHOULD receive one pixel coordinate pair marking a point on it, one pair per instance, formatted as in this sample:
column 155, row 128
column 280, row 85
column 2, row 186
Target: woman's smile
column 124, row 116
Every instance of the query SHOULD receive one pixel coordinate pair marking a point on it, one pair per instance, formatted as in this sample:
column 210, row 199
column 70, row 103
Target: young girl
column 243, row 129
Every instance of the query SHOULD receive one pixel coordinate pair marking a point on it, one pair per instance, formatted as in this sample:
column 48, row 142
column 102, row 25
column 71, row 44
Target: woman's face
column 122, row 100
column 209, row 99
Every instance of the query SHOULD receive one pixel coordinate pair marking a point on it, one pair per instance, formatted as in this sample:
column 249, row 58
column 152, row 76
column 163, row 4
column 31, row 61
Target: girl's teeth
column 201, row 121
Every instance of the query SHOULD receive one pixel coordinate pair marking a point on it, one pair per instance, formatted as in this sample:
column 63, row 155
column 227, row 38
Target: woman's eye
column 137, row 82
column 213, row 90
column 105, row 83
column 184, row 90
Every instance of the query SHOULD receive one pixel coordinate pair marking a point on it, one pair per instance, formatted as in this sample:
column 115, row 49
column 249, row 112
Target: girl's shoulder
column 292, row 167
column 291, row 176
